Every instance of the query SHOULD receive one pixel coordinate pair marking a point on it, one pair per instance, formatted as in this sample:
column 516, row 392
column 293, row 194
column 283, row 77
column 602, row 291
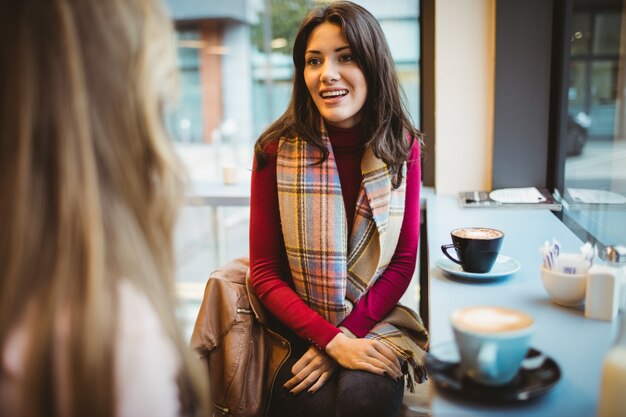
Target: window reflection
column 186, row 123
column 581, row 33
column 606, row 37
column 595, row 170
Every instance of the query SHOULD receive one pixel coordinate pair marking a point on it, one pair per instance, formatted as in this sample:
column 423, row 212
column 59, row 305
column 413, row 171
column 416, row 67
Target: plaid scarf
column 330, row 270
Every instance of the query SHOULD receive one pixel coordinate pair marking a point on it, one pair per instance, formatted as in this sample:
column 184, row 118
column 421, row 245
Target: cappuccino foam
column 477, row 233
column 490, row 319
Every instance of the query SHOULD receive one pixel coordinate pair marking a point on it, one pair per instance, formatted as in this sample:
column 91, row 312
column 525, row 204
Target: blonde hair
column 89, row 190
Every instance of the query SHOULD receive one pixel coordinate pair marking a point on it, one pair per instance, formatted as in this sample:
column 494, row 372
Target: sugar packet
column 567, row 263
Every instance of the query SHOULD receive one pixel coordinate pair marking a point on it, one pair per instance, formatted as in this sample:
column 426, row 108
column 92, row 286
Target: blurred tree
column 286, row 18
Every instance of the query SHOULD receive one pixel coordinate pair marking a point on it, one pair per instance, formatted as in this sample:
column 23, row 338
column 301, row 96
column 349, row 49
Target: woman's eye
column 313, row 61
column 346, row 58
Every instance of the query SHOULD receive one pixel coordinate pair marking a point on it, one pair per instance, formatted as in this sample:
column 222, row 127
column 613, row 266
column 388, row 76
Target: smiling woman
column 334, row 224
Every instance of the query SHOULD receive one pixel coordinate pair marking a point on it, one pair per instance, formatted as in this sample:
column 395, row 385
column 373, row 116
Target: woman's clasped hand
column 365, row 354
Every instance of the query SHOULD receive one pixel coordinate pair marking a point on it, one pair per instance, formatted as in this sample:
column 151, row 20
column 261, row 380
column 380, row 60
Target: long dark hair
column 385, row 121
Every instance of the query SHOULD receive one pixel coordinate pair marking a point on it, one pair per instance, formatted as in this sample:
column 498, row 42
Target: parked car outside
column 577, row 133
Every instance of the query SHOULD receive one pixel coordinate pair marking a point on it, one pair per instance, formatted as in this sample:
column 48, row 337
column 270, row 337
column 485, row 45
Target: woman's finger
column 308, row 369
column 321, row 381
column 298, row 378
column 374, row 357
column 384, row 354
column 303, row 362
column 388, row 352
column 391, row 364
column 307, row 381
column 373, row 368
column 382, row 367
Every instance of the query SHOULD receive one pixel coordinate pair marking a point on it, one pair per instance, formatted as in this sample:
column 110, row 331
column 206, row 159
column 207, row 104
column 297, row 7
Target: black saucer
column 538, row 374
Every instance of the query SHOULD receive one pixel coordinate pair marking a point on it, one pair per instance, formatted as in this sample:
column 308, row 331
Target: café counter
column 577, row 344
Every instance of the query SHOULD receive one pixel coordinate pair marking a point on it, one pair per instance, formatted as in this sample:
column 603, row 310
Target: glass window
column 581, row 34
column 185, row 123
column 603, row 90
column 404, row 39
column 236, row 72
column 606, row 37
column 577, row 88
column 595, row 169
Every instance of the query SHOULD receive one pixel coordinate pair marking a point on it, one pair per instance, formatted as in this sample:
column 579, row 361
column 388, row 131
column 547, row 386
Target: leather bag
column 242, row 354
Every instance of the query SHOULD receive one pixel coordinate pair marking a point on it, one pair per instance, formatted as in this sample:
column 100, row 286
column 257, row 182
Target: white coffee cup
column 492, row 342
column 230, row 174
column 564, row 289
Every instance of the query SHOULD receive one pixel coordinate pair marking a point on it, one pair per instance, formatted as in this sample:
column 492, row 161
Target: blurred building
column 232, row 88
column 216, row 75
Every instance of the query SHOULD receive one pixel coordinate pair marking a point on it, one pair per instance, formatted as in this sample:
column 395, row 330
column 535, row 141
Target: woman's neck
column 345, row 140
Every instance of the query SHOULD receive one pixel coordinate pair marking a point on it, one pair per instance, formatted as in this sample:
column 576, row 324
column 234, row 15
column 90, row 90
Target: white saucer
column 504, row 266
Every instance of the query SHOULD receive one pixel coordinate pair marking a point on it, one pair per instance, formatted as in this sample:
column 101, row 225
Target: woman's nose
column 329, row 72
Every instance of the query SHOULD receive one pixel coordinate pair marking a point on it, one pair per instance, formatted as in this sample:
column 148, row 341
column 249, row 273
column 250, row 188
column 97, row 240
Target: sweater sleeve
column 269, row 271
column 383, row 296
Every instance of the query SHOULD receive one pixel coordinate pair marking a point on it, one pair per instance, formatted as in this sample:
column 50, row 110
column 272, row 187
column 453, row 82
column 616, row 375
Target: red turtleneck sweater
column 269, row 268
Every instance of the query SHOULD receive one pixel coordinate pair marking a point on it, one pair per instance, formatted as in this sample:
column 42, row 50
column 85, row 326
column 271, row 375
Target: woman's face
column 333, row 77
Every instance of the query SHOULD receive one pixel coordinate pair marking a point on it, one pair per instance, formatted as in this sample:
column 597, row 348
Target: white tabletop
column 577, row 344
column 218, row 194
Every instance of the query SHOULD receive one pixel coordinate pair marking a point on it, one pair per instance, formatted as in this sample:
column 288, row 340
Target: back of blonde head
column 89, row 188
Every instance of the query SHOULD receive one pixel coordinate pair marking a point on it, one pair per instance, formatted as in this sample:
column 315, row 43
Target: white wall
column 464, row 91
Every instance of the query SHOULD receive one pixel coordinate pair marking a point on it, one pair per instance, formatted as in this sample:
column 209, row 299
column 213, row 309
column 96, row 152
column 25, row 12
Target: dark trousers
column 347, row 394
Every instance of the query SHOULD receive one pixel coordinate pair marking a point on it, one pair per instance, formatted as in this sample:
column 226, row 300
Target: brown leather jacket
column 242, row 354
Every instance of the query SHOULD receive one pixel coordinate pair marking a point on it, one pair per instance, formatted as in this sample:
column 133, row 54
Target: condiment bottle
column 615, row 256
column 602, row 295
column 612, row 398
column 605, row 289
